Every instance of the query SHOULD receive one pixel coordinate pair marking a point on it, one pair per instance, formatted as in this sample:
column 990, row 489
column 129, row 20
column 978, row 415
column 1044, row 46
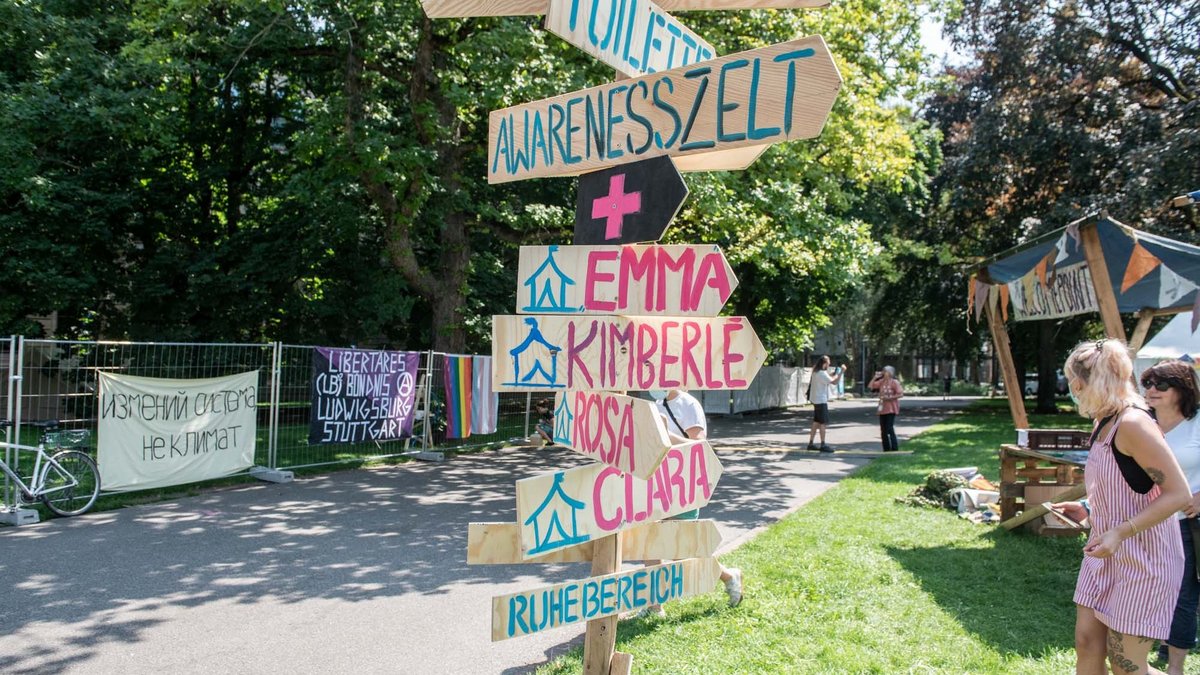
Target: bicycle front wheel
column 72, row 483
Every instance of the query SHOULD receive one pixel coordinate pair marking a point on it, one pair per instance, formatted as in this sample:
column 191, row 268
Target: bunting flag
column 1196, row 313
column 1040, row 270
column 1141, row 262
column 457, row 378
column 1061, row 247
column 971, row 294
column 1004, row 302
column 1073, row 233
column 485, row 404
column 1171, row 287
column 981, row 298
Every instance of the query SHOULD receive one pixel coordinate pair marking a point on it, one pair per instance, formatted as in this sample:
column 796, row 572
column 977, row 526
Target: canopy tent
column 1090, row 265
column 1176, row 340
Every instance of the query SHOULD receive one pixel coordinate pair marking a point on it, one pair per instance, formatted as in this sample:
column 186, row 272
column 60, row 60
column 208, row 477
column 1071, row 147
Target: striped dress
column 1134, row 590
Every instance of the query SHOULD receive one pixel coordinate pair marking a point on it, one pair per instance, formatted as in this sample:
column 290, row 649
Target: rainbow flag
column 457, row 378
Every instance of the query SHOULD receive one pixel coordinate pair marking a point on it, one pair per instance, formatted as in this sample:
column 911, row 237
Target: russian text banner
column 155, row 432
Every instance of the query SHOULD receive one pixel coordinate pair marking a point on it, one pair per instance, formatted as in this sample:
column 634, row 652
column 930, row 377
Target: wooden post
column 601, row 636
column 1143, row 327
column 1101, row 282
column 1016, row 400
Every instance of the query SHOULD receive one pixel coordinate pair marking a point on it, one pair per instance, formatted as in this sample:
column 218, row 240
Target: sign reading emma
column 621, row 431
column 777, row 93
column 635, row 37
column 682, row 280
column 620, row 353
column 565, row 508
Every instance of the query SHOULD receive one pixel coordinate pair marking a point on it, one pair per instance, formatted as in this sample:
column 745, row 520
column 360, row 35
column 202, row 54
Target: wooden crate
column 1058, row 439
column 1021, row 467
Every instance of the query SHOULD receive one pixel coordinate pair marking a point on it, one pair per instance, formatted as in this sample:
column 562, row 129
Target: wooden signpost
column 635, row 41
column 500, row 543
column 759, row 97
column 623, row 432
column 530, row 612
column 448, row 9
column 679, row 280
column 628, row 204
column 565, row 508
column 605, row 316
column 620, row 353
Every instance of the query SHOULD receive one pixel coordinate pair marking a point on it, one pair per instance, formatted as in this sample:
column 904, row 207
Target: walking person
column 1172, row 393
column 947, row 385
column 819, row 387
column 1133, row 559
column 685, row 420
column 890, row 393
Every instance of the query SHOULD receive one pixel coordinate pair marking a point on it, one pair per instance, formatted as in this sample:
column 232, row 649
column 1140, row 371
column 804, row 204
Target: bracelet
column 1131, row 525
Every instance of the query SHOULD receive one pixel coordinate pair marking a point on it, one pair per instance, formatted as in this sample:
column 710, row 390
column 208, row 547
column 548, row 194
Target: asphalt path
column 361, row 570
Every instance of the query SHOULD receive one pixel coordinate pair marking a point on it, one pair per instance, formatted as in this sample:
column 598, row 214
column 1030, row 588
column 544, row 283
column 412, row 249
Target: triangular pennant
column 1196, row 312
column 1040, row 270
column 970, row 293
column 1027, row 285
column 1073, row 233
column 1141, row 262
column 1171, row 287
column 1061, row 247
column 981, row 298
column 1004, row 302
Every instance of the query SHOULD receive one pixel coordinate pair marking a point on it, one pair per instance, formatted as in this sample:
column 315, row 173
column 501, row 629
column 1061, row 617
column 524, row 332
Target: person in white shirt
column 685, row 420
column 1172, row 393
column 820, row 386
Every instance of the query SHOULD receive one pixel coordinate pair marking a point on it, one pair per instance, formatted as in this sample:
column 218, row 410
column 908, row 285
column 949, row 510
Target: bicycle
column 67, row 482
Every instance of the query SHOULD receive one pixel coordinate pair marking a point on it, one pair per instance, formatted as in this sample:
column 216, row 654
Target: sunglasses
column 1161, row 385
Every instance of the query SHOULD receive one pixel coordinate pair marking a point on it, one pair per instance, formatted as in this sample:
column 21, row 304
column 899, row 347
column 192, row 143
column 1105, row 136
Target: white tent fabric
column 1174, row 341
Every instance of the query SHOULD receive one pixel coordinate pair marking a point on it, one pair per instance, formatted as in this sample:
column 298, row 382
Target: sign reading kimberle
column 157, row 432
column 362, row 395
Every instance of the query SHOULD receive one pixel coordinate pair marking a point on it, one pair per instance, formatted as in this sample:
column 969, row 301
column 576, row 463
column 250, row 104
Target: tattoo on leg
column 1156, row 475
column 1116, row 652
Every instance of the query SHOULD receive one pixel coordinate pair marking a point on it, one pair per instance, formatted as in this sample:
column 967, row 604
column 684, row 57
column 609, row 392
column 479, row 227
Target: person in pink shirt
column 1133, row 559
column 890, row 392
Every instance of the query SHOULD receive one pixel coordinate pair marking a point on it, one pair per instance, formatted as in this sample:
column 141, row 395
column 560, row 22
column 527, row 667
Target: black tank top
column 1135, row 476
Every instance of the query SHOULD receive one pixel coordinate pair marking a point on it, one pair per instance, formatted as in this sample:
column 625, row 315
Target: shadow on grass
column 1014, row 592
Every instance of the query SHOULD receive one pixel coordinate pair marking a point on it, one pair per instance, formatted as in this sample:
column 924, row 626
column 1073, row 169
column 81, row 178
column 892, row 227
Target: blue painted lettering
column 687, row 130
column 723, row 107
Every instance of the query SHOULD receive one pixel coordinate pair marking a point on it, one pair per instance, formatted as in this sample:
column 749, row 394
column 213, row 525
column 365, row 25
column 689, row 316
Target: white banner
column 1069, row 293
column 156, row 432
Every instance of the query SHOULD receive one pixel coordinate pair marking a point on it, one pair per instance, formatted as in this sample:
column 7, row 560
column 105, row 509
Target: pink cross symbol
column 615, row 205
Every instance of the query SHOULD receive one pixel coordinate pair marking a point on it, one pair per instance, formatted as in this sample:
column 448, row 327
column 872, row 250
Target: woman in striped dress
column 1133, row 559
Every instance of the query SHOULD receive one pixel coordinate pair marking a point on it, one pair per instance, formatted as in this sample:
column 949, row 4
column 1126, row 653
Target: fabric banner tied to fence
column 362, row 395
column 485, row 404
column 157, row 432
column 456, row 376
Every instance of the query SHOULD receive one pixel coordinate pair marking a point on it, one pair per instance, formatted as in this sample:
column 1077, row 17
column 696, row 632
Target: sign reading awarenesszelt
column 541, row 609
column 677, row 280
column 759, row 97
column 622, row 353
column 635, row 37
column 566, row 508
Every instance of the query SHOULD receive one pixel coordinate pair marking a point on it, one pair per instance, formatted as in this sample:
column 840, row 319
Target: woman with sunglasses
column 1172, row 393
column 1133, row 559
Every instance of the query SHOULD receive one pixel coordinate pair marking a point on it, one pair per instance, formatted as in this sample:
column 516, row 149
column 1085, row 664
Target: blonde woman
column 1133, row 559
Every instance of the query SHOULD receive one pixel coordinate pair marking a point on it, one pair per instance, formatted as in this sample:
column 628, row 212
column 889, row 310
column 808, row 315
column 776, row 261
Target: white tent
column 1174, row 341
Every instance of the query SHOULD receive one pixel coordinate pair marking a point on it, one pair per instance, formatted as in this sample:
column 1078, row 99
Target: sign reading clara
column 759, row 97
column 362, row 395
column 155, row 432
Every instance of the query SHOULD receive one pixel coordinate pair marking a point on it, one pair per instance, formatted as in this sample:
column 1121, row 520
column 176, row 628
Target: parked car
column 1031, row 383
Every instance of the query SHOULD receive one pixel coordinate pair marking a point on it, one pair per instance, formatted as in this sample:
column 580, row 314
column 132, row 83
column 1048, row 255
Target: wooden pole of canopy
column 1016, row 399
column 1101, row 282
column 1139, row 332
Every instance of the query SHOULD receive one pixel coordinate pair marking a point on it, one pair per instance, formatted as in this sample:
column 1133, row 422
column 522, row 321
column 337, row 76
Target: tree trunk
column 1047, row 366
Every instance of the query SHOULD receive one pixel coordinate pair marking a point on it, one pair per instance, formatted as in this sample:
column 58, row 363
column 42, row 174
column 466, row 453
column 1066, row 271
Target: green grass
column 856, row 583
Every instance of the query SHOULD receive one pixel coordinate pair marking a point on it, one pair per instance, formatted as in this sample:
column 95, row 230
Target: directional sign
column 444, row 9
column 500, row 543
column 678, row 280
column 635, row 41
column 541, row 609
column 567, row 508
column 621, row 353
column 621, row 431
column 759, row 97
column 628, row 204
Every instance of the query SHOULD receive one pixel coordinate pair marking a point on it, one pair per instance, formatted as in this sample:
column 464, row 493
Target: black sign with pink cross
column 628, row 204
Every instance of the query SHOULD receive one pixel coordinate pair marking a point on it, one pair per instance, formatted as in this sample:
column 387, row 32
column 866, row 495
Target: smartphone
column 1060, row 517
